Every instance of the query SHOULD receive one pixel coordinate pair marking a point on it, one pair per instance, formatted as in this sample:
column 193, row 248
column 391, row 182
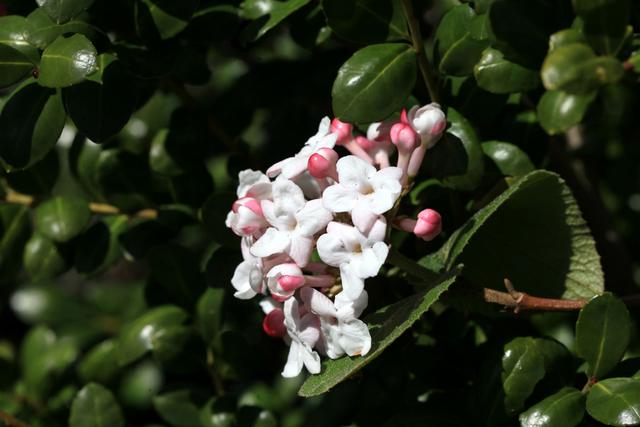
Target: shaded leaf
column 42, row 258
column 41, row 31
column 366, row 21
column 209, row 313
column 558, row 110
column 509, row 158
column 163, row 19
column 177, row 409
column 15, row 228
column 604, row 23
column 100, row 364
column 496, row 74
column 14, row 65
column 63, row 10
column 266, row 15
column 95, row 406
column 39, row 178
column 98, row 247
column 62, row 218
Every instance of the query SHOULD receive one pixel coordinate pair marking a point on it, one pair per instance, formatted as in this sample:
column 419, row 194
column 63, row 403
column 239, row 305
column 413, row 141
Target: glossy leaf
column 98, row 247
column 62, row 218
column 41, row 31
column 209, row 313
column 386, row 325
column 374, row 82
column 522, row 368
column 67, row 61
column 267, row 14
column 163, row 19
column 63, row 10
column 177, row 409
column 509, row 158
column 366, row 21
column 558, row 110
column 604, row 23
column 554, row 236
column 30, row 123
column 496, row 74
column 562, row 409
column 42, row 258
column 14, row 65
column 602, row 333
column 137, row 337
column 615, row 401
column 457, row 51
column 12, row 33
column 95, row 406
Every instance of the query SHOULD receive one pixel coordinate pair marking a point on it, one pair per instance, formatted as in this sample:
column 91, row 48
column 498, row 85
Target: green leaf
column 457, row 159
column 562, row 409
column 216, row 414
column 39, row 178
column 602, row 333
column 42, row 258
column 209, row 313
column 163, row 19
column 558, row 110
column 574, row 68
column 136, row 338
column 257, row 10
column 615, row 401
column 12, row 33
column 101, row 363
column 63, row 10
column 457, row 51
column 67, row 61
column 48, row 305
column 101, row 106
column 95, row 406
column 176, row 270
column 509, row 158
column 15, row 228
column 62, row 218
column 374, row 82
column 99, row 247
column 31, row 121
column 160, row 156
column 386, row 325
column 14, row 65
column 496, row 74
column 604, row 23
column 522, row 368
column 537, row 237
column 177, row 409
column 41, row 31
column 565, row 37
column 366, row 21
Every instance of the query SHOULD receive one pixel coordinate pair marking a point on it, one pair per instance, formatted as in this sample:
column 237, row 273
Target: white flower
column 248, row 279
column 253, row 184
column 358, row 256
column 283, row 280
column 304, row 333
column 341, row 331
column 429, row 121
column 363, row 191
column 294, row 223
column 246, row 217
column 294, row 166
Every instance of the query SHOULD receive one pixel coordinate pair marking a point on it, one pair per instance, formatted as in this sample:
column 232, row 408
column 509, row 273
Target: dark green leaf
column 497, row 74
column 62, row 218
column 558, row 110
column 15, row 228
column 457, row 51
column 522, row 368
column 101, row 363
column 160, row 158
column 602, row 333
column 123, row 178
column 176, row 270
column 562, row 409
column 538, row 219
column 213, row 218
column 374, row 82
column 177, row 409
column 30, row 123
column 209, row 314
column 137, row 337
column 216, row 414
column 267, row 14
column 253, row 416
column 99, row 246
column 366, row 21
column 14, row 65
column 140, row 384
column 63, row 10
column 42, row 258
column 12, row 33
column 41, row 31
column 163, row 19
column 604, row 23
column 565, row 37
column 615, row 402
column 509, row 158
column 39, row 178
column 95, row 406
column 67, row 61
column 386, row 325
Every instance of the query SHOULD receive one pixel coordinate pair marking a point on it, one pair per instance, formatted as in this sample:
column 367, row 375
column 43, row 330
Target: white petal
column 309, row 332
column 353, row 171
column 312, row 218
column 244, row 276
column 363, row 217
column 294, row 361
column 378, row 231
column 276, row 217
column 368, row 263
column 352, row 284
column 348, row 309
column 338, row 198
column 319, row 303
column 291, row 316
column 300, row 249
column 381, row 200
column 311, row 361
column 332, row 250
column 247, row 179
column 350, row 236
column 392, row 174
column 295, row 167
column 269, row 304
column 287, row 196
column 309, row 186
column 355, row 338
column 272, row 242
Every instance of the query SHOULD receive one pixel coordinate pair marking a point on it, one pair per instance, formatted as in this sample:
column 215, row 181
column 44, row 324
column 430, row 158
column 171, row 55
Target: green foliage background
column 123, row 125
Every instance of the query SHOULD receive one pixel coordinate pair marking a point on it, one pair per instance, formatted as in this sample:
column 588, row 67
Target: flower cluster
column 338, row 207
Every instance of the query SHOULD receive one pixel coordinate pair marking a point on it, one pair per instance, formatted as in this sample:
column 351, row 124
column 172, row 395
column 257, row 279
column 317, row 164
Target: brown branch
column 11, row 421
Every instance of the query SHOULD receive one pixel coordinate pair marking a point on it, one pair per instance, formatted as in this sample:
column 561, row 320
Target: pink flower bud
column 404, row 137
column 290, row 283
column 322, row 164
column 403, row 116
column 342, row 129
column 428, row 225
column 248, row 202
column 273, row 323
column 365, row 143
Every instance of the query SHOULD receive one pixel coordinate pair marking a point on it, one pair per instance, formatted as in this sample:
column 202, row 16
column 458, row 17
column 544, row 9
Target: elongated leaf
column 562, row 409
column 496, row 74
column 209, row 314
column 30, row 124
column 95, row 406
column 99, row 246
column 509, row 158
column 62, row 218
column 12, row 33
column 604, row 23
column 63, row 10
column 15, row 228
column 615, row 402
column 457, row 51
column 41, row 31
column 602, row 333
column 267, row 14
column 374, row 82
column 386, row 325
column 537, row 237
column 558, row 110
column 14, row 65
column 67, row 61
column 366, row 21
column 39, row 178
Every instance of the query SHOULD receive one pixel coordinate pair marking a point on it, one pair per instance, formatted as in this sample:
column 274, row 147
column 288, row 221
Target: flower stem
column 418, row 46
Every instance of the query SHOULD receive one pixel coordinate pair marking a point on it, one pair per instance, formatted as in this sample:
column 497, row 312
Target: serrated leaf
column 67, row 61
column 62, row 218
column 602, row 333
column 496, row 74
column 95, row 406
column 558, row 110
column 374, row 82
column 509, row 158
column 386, row 325
column 615, row 401
column 562, row 409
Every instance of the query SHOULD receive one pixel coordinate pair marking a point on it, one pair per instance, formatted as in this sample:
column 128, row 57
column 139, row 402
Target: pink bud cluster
column 337, row 207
